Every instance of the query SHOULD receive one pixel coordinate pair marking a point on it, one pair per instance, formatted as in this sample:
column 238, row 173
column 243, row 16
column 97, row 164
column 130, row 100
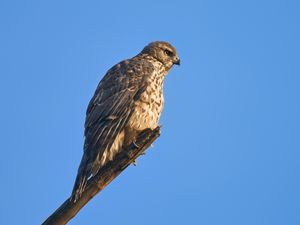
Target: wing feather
column 108, row 113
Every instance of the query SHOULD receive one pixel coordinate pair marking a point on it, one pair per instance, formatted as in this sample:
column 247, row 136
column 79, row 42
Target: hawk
column 128, row 100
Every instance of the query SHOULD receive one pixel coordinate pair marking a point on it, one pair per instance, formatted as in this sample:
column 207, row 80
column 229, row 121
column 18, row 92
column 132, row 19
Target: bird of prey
column 128, row 100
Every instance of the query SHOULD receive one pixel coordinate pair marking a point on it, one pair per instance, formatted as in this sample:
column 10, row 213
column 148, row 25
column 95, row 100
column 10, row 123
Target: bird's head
column 163, row 52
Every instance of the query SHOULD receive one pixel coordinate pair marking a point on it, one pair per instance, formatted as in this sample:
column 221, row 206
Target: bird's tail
column 81, row 180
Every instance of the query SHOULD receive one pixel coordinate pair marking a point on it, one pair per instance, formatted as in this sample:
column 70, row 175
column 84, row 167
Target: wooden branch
column 105, row 175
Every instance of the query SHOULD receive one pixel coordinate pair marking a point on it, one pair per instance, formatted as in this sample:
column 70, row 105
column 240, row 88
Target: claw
column 134, row 162
column 135, row 144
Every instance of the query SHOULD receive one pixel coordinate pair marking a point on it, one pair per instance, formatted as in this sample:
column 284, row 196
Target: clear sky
column 229, row 153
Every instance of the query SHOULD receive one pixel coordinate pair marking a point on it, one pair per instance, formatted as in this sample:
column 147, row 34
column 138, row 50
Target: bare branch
column 105, row 175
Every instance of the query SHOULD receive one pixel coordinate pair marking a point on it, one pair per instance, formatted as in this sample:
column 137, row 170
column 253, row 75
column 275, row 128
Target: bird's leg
column 134, row 162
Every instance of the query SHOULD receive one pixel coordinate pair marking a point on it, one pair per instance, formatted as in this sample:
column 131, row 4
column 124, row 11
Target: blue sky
column 229, row 149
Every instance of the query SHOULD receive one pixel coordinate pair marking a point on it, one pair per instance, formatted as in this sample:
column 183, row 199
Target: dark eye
column 168, row 52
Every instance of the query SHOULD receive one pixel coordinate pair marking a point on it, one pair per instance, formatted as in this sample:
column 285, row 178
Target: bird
column 128, row 100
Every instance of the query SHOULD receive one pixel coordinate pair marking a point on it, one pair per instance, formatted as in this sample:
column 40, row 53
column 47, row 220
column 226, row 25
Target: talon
column 134, row 162
column 135, row 144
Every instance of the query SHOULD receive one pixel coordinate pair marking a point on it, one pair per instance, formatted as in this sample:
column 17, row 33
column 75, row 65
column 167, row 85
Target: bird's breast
column 149, row 106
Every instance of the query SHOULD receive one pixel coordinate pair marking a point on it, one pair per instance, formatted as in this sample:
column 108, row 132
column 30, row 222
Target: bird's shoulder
column 130, row 68
column 127, row 74
column 125, row 80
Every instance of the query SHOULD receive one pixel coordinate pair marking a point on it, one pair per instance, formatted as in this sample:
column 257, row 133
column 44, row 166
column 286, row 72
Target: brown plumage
column 127, row 100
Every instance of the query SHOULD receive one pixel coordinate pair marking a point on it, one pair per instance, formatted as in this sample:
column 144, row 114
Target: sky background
column 229, row 152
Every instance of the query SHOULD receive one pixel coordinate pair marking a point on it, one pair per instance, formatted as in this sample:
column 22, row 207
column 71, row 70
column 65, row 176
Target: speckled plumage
column 128, row 100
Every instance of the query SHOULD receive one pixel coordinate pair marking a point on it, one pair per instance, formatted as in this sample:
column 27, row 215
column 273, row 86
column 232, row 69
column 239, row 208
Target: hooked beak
column 177, row 62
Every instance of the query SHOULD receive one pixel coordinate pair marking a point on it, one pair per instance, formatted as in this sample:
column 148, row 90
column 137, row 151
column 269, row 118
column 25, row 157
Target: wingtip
column 75, row 197
column 78, row 189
